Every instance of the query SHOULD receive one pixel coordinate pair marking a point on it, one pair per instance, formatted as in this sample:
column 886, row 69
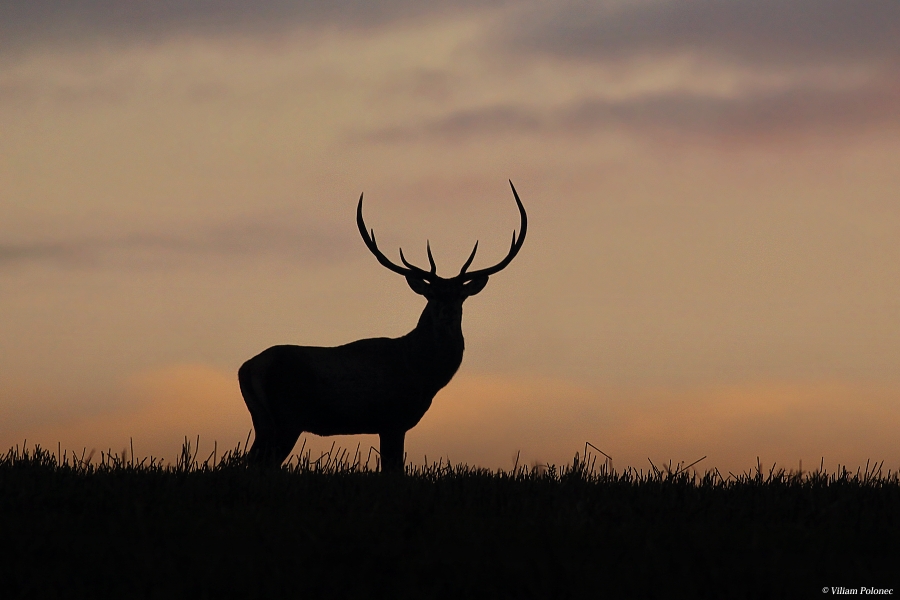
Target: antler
column 411, row 269
column 513, row 249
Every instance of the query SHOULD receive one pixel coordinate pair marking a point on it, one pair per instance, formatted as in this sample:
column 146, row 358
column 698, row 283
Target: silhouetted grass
column 334, row 527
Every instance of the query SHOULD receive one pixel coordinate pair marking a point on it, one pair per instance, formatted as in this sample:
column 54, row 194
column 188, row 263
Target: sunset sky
column 712, row 264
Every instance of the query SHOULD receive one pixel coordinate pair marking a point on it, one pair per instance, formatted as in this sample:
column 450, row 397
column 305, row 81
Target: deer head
column 445, row 295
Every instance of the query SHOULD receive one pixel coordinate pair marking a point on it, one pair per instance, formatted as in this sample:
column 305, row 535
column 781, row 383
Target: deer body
column 376, row 386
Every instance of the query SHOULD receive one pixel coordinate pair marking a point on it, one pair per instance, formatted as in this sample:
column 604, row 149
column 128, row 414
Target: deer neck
column 436, row 344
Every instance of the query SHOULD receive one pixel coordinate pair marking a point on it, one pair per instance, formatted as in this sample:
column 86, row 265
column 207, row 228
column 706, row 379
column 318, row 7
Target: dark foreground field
column 119, row 529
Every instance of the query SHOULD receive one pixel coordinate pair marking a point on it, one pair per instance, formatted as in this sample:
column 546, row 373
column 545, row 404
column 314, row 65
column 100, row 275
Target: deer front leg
column 392, row 451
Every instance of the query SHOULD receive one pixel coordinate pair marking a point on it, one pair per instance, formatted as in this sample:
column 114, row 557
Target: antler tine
column 369, row 240
column 513, row 249
column 470, row 259
column 430, row 257
column 414, row 270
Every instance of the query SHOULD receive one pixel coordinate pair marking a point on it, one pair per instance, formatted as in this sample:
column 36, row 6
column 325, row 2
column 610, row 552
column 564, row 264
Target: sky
column 711, row 266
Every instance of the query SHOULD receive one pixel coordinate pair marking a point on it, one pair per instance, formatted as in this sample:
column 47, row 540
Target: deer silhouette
column 378, row 386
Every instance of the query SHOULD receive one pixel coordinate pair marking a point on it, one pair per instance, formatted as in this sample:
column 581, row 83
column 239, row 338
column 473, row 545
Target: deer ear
column 419, row 286
column 475, row 286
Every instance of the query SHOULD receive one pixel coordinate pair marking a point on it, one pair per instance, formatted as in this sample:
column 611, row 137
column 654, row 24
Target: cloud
column 485, row 121
column 781, row 113
column 306, row 244
column 62, row 22
column 757, row 31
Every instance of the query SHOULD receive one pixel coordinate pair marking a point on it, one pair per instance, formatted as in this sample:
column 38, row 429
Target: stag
column 378, row 386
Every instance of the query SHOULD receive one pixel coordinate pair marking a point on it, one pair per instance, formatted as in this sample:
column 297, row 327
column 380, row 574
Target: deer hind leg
column 392, row 451
column 273, row 441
